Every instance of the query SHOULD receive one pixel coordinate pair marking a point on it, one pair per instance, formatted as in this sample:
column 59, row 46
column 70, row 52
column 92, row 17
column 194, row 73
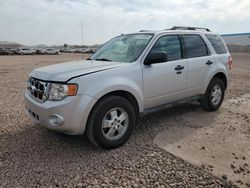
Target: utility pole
column 82, row 35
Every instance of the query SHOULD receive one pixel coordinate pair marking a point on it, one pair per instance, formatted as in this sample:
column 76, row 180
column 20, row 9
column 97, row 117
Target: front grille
column 37, row 89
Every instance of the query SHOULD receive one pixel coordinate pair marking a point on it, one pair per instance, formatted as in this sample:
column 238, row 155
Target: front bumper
column 74, row 110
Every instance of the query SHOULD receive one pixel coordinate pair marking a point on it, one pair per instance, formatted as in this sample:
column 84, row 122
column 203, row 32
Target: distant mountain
column 40, row 46
column 7, row 44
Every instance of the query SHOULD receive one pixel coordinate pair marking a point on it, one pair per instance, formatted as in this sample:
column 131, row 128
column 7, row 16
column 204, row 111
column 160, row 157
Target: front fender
column 118, row 84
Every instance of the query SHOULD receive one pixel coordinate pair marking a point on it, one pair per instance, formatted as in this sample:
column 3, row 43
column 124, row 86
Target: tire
column 104, row 111
column 209, row 102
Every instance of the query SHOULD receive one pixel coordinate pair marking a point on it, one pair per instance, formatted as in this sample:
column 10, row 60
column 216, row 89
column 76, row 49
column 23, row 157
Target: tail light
column 230, row 62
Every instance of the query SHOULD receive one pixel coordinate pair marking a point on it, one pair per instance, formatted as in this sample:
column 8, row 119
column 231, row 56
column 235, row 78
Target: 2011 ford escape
column 130, row 76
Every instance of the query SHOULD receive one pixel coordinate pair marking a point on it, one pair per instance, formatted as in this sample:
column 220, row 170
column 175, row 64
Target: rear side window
column 217, row 44
column 169, row 44
column 195, row 46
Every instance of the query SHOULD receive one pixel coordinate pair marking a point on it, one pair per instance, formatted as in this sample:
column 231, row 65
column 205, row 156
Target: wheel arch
column 122, row 93
column 125, row 94
column 221, row 75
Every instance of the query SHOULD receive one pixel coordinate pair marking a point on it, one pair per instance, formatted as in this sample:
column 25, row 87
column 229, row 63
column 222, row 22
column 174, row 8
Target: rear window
column 195, row 46
column 217, row 44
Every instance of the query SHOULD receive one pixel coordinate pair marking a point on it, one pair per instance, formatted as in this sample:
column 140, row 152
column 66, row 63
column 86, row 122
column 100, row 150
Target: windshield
column 124, row 48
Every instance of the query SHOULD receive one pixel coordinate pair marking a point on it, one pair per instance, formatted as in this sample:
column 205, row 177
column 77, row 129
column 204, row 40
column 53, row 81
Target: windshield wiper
column 102, row 59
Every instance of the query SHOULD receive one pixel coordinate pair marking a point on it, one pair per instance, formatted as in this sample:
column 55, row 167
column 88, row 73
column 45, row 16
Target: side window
column 169, row 44
column 217, row 44
column 195, row 46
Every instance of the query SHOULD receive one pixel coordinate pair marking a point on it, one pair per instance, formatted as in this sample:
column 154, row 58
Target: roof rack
column 188, row 28
column 145, row 31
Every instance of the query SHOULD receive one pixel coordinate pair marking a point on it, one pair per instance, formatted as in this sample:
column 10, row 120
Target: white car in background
column 88, row 50
column 25, row 51
column 51, row 51
column 67, row 50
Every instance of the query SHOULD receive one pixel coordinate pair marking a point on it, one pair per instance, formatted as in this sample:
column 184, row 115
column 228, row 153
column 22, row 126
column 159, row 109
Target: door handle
column 209, row 62
column 179, row 67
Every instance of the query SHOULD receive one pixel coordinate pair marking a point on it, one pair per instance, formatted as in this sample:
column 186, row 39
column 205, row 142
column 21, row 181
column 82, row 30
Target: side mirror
column 156, row 57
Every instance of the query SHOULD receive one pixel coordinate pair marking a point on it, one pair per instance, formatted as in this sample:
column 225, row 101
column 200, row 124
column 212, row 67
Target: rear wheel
column 214, row 95
column 111, row 122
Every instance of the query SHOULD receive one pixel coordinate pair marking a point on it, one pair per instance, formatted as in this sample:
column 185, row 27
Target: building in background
column 242, row 39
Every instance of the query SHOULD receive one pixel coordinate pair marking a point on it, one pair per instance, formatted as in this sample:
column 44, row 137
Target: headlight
column 58, row 92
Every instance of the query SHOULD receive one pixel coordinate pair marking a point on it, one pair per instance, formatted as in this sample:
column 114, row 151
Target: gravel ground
column 31, row 156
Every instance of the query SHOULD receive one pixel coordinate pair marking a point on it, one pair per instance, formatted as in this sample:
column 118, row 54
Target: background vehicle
column 15, row 51
column 67, row 50
column 25, row 51
column 39, row 51
column 4, row 51
column 130, row 76
column 88, row 50
column 11, row 50
column 51, row 51
column 79, row 50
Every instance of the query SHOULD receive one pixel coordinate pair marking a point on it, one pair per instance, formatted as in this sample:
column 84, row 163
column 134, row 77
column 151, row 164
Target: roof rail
column 188, row 28
column 145, row 31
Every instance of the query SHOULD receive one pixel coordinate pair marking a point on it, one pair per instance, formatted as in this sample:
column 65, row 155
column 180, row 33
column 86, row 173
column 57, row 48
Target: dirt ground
column 31, row 156
column 218, row 141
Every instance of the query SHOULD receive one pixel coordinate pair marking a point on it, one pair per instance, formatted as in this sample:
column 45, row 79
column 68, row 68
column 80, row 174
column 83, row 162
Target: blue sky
column 59, row 21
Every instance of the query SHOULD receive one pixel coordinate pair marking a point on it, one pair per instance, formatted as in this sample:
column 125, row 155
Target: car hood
column 63, row 72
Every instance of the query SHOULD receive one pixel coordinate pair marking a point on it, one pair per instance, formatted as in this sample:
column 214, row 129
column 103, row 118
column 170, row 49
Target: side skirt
column 169, row 105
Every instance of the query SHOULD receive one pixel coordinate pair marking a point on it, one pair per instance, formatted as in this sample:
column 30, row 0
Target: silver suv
column 130, row 76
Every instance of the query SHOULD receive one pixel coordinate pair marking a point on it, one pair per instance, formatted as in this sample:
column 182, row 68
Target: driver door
column 166, row 81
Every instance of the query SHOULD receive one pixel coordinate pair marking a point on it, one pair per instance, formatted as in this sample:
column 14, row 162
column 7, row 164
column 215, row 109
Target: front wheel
column 214, row 95
column 111, row 122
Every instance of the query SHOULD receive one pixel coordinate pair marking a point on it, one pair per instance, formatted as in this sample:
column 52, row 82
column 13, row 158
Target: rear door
column 166, row 81
column 199, row 62
column 220, row 48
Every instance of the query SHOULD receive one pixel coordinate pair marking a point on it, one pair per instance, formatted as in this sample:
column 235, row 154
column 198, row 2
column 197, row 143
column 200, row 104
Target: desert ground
column 182, row 146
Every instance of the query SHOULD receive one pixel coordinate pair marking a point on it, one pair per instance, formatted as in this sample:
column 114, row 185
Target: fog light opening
column 56, row 120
